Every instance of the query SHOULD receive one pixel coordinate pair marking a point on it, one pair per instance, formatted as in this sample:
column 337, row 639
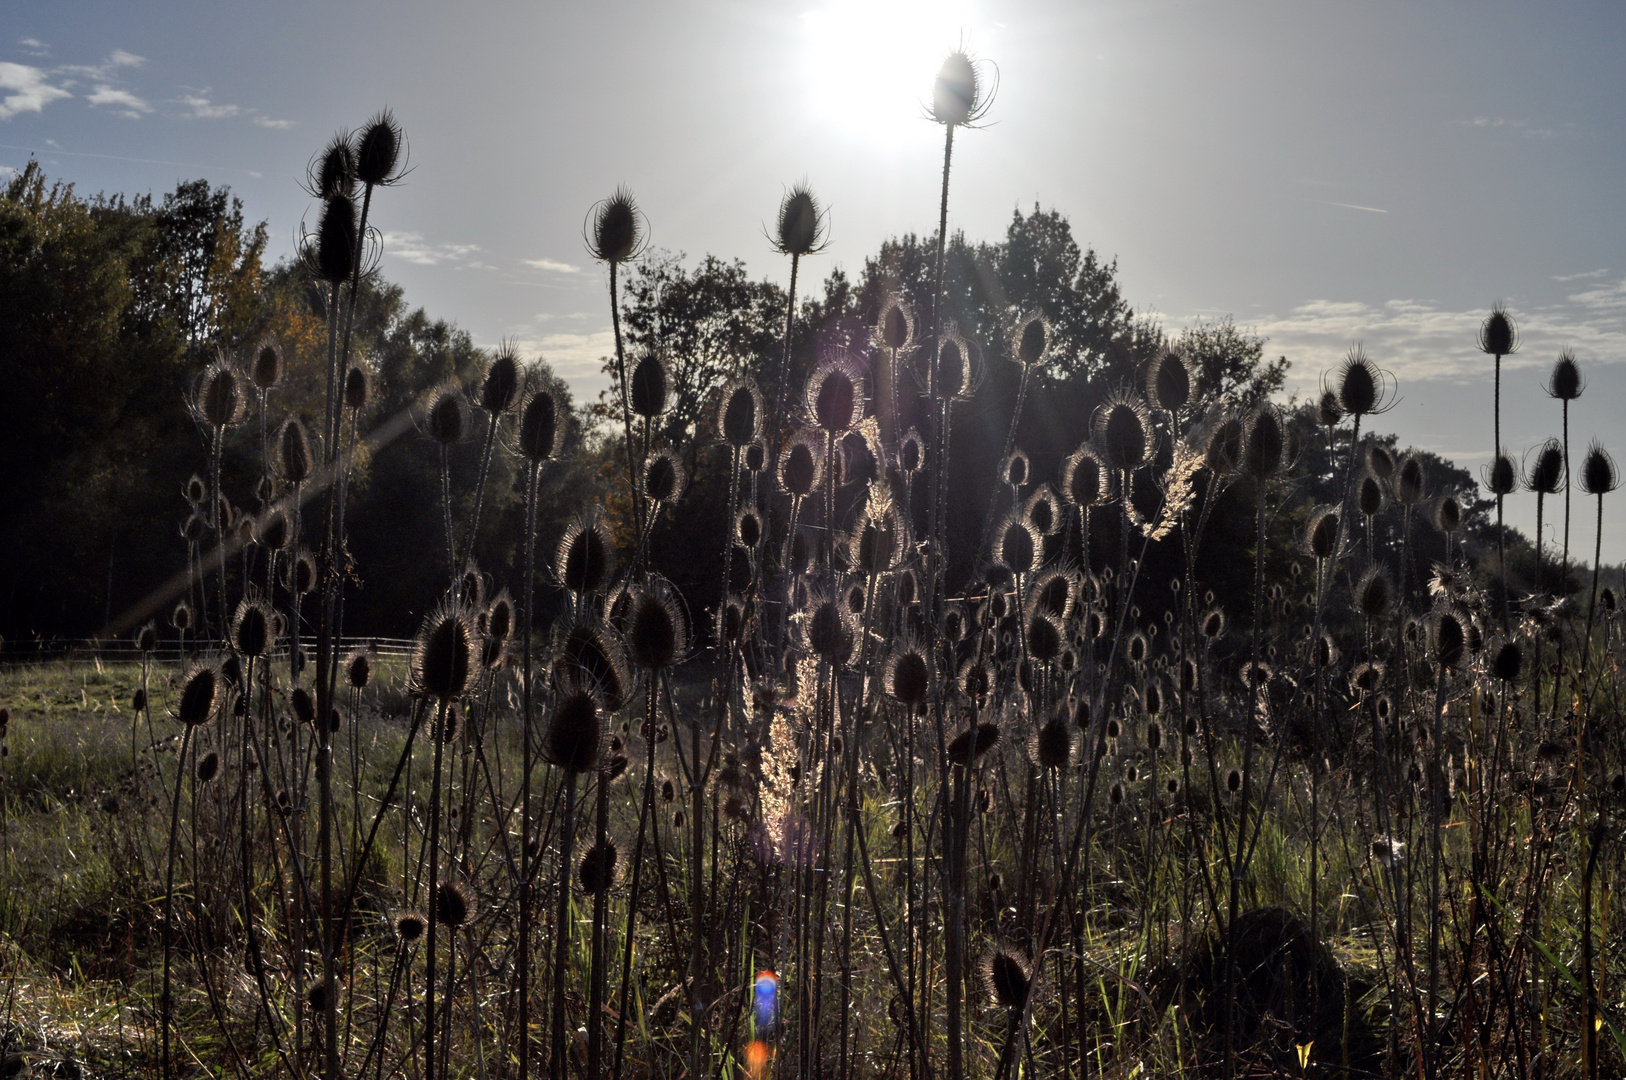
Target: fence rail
column 169, row 650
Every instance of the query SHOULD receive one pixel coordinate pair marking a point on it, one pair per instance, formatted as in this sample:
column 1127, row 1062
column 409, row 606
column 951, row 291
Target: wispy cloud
column 412, row 248
column 577, row 358
column 28, row 90
column 33, row 46
column 204, row 109
column 107, row 69
column 1425, row 340
column 1516, row 127
column 1582, row 276
column 125, row 103
column 553, row 265
column 267, row 122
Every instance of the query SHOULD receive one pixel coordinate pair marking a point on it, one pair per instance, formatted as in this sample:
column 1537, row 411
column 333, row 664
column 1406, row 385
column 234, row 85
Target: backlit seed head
column 1152, row 699
column 959, row 95
column 1168, row 381
column 1360, row 385
column 195, row 491
column 1380, row 461
column 1545, row 474
column 1122, row 435
column 1055, row 592
column 1374, row 593
column 1507, row 662
column 1323, row 653
column 1137, row 648
column 378, row 150
column 663, row 477
column 1154, row 736
column 1329, row 410
column 1498, row 336
column 1264, row 444
column 1188, row 675
column 835, row 392
column 218, row 401
column 333, row 171
column 657, row 631
column 1044, row 511
column 181, row 617
column 800, row 229
column 1501, row 476
column 739, row 416
column 1369, row 496
column 583, row 559
column 827, row 628
column 1213, row 625
column 976, row 680
column 576, row 733
column 336, row 250
column 1448, row 514
column 1565, row 382
column 600, row 868
column 447, row 417
column 454, row 904
column 1223, row 454
column 500, row 387
column 907, row 674
column 649, row 389
column 1030, row 341
column 1006, row 976
column 1018, row 546
column 146, row 638
column 1450, row 640
column 443, row 655
column 911, row 452
column 1598, row 473
column 1013, row 471
column 200, row 696
column 208, row 767
column 878, row 539
column 587, row 649
column 410, row 926
column 293, row 460
column 1054, row 743
column 895, row 328
column 1045, row 637
column 1081, row 477
column 616, row 230
column 967, row 747
column 267, row 368
column 1233, row 781
column 748, row 528
column 302, row 573
column 358, row 669
column 1409, row 481
column 251, row 627
column 1321, row 535
column 957, row 367
column 801, row 467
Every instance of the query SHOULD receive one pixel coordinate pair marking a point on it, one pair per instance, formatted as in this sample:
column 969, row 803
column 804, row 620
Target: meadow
column 1233, row 740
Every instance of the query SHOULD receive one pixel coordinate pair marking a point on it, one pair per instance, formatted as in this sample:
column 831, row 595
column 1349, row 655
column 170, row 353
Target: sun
column 870, row 63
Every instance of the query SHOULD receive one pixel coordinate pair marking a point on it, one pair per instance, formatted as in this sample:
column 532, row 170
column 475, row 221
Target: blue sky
column 1326, row 174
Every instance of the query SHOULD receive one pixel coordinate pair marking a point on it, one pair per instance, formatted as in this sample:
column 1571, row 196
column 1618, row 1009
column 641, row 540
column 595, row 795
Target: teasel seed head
column 358, row 669
column 834, row 395
column 959, row 95
column 739, row 417
column 1360, row 385
column 333, row 171
column 1233, row 781
column 972, row 743
column 1545, row 475
column 446, row 419
column 616, row 229
column 208, row 767
column 663, row 477
column 1223, row 454
column 267, row 364
column 1321, row 535
column 293, row 451
column 584, row 557
column 1053, row 744
column 302, row 573
column 1565, row 382
column 200, row 697
column 1044, row 511
column 1121, row 433
column 251, row 627
column 1081, row 477
column 649, row 389
column 1598, row 473
column 576, row 733
column 1213, row 624
column 657, row 628
column 146, row 638
column 828, row 630
column 1168, row 381
column 500, row 387
column 1448, row 514
column 895, row 327
column 1115, row 794
column 378, row 150
column 1502, row 474
column 911, row 452
column 1498, row 336
column 748, row 528
column 1450, row 639
column 801, row 467
column 1019, row 548
column 591, row 650
column 1045, row 636
column 957, row 367
column 454, row 904
column 1508, row 662
column 443, row 655
column 1329, row 411
column 218, row 400
column 181, row 616
column 1056, row 592
column 878, row 539
column 1013, row 471
column 1030, row 340
column 1409, row 479
column 800, row 229
column 907, row 675
column 1369, row 496
column 410, row 926
column 1374, row 593
column 1323, row 652
column 1264, row 444
column 599, row 869
column 336, row 249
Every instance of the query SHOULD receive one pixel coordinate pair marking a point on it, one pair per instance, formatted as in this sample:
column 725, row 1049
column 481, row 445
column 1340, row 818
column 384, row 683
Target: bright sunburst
column 870, row 63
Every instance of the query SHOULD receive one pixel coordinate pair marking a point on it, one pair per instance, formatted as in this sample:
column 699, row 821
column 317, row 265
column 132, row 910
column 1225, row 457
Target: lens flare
column 766, row 999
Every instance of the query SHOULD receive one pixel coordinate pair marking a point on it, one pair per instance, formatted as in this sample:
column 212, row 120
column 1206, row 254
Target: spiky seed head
column 800, row 468
column 1031, row 339
column 576, row 734
column 302, row 573
column 272, row 531
column 1450, row 640
column 195, row 492
column 146, row 638
column 1233, row 781
column 355, row 388
column 1115, row 795
column 1409, row 481
column 1598, row 473
column 1121, row 435
column 1168, row 381
column 539, row 425
column 219, row 399
column 378, row 149
column 267, row 364
column 1546, row 473
column 958, row 94
column 446, row 418
column 208, row 767
column 500, row 386
column 1360, row 384
column 1152, row 699
column 657, row 631
column 1013, row 471
column 835, row 392
column 251, row 627
column 1329, row 411
column 616, row 232
column 748, row 528
column 1498, row 336
column 1508, row 662
column 800, row 228
column 500, row 616
column 1213, row 625
column 410, row 926
column 972, row 743
column 650, row 388
column 1043, row 513
column 1448, row 515
column 337, row 247
column 1321, row 535
column 1501, row 475
column 1369, row 496
column 1188, row 675
column 1081, row 477
column 181, row 616
column 956, row 376
column 755, row 457
column 1374, row 593
column 590, row 650
column 454, row 904
column 334, row 170
column 1055, row 592
column 443, row 655
column 1264, row 444
column 599, row 869
column 358, row 669
column 878, row 541
column 1045, row 637
column 828, row 629
column 1565, row 382
column 739, row 417
column 303, row 705
column 1255, row 674
column 976, row 681
column 907, row 676
column 895, row 329
column 1137, row 648
column 911, row 452
column 200, row 695
column 1323, row 653
column 1053, row 744
column 583, row 559
column 954, row 623
column 293, row 451
column 1154, row 736
column 1380, row 461
column 1019, row 547
column 663, row 477
column 1223, row 455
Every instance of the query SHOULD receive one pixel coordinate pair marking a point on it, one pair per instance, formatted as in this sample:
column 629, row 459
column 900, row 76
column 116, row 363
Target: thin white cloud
column 1351, row 206
column 267, row 122
column 1582, row 276
column 126, row 103
column 28, row 90
column 413, row 248
column 107, row 69
column 120, row 58
column 34, row 46
column 576, row 358
column 204, row 109
column 553, row 265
